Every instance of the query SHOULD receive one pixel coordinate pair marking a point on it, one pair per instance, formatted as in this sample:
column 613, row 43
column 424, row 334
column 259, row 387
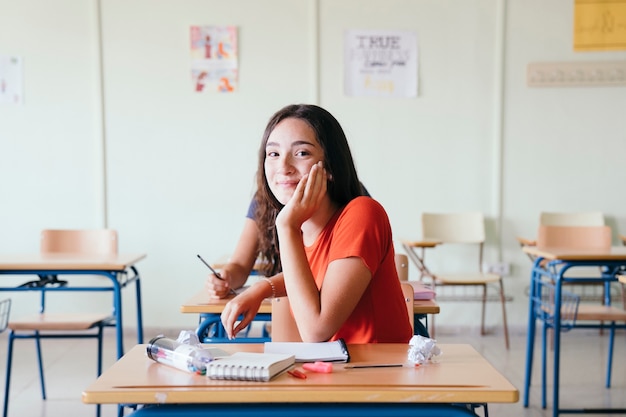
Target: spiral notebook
column 249, row 366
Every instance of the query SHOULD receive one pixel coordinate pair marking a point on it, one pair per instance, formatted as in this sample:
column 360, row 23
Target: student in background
column 336, row 247
column 235, row 273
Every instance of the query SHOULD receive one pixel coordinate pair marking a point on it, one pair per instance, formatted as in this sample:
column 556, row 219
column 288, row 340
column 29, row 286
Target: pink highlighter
column 321, row 367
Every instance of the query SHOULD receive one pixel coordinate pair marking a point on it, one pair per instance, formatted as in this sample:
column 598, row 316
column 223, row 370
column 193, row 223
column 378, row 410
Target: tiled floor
column 70, row 367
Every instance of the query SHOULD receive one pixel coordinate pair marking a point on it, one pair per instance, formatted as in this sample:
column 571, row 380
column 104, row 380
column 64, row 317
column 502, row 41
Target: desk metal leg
column 530, row 335
column 117, row 302
column 558, row 286
column 139, row 310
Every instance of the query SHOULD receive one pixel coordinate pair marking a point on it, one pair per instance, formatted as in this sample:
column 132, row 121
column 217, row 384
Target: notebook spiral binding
column 236, row 372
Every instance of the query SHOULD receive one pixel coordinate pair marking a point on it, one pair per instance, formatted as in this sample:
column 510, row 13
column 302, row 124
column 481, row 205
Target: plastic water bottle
column 190, row 358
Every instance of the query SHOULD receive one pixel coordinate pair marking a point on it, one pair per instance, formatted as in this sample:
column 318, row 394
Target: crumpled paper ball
column 188, row 337
column 422, row 349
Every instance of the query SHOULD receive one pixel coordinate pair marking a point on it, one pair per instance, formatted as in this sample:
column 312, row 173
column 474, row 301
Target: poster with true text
column 214, row 62
column 379, row 63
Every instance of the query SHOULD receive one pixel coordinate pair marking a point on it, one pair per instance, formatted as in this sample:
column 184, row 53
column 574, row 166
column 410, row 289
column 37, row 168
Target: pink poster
column 214, row 63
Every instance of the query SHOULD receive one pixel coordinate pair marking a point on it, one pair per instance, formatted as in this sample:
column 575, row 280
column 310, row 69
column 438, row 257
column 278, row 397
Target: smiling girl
column 336, row 247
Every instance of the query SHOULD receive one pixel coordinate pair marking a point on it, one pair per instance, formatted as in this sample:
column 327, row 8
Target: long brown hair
column 338, row 162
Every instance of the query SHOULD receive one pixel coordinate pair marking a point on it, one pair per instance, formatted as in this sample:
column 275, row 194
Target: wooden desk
column 211, row 308
column 460, row 375
column 120, row 270
column 609, row 261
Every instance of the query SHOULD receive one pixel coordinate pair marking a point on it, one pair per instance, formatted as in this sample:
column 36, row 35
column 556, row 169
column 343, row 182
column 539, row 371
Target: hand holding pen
column 217, row 274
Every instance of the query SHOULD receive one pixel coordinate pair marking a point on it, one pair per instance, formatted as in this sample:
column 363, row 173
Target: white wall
column 180, row 165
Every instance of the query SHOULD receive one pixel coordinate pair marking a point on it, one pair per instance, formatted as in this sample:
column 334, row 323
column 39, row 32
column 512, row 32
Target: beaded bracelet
column 269, row 281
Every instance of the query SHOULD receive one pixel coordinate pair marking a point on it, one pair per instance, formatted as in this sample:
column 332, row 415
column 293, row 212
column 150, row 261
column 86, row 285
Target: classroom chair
column 53, row 325
column 466, row 230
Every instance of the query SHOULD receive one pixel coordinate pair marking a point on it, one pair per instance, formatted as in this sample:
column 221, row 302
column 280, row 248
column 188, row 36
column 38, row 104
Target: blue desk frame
column 554, row 272
column 210, row 329
column 310, row 410
column 119, row 279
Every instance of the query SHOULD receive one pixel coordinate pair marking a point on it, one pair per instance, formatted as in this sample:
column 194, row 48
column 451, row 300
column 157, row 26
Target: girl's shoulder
column 364, row 208
column 364, row 203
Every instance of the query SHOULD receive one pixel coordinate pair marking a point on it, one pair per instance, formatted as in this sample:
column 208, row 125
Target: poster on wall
column 380, row 63
column 214, row 64
column 11, row 80
column 600, row 25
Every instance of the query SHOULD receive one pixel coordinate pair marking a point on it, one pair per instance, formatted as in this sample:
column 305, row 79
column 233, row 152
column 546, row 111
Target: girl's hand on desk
column 247, row 304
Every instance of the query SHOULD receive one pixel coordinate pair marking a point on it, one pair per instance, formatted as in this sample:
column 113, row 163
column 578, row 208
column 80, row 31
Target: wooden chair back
column 462, row 227
column 408, row 293
column 574, row 237
column 586, row 218
column 402, row 266
column 94, row 242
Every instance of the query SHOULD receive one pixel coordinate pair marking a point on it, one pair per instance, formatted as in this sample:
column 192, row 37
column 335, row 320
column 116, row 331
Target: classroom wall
column 112, row 134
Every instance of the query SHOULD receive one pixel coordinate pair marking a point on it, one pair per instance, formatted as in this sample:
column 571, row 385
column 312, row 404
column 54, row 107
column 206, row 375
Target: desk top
column 421, row 243
column 615, row 253
column 201, row 303
column 69, row 262
column 460, row 374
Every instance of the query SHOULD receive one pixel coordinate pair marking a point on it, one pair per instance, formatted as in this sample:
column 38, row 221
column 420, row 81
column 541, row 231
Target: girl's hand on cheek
column 306, row 198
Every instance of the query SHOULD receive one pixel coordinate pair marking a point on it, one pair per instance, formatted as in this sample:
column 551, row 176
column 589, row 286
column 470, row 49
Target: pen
column 375, row 365
column 217, row 274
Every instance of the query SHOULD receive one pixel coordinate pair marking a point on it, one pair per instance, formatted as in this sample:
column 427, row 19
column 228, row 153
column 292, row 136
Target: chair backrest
column 464, row 227
column 574, row 237
column 94, row 242
column 402, row 266
column 408, row 293
column 585, row 218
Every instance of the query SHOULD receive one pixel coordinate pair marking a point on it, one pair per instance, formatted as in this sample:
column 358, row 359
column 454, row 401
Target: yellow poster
column 599, row 25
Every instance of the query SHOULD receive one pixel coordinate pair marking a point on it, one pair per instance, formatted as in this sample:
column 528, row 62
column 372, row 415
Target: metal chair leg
column 42, row 381
column 8, row 374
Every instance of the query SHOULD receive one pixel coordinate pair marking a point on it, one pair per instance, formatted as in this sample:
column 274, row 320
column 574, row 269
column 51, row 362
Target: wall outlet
column 500, row 268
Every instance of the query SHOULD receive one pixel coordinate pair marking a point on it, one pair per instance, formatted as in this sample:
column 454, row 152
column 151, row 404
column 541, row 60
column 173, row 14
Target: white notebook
column 249, row 366
column 335, row 351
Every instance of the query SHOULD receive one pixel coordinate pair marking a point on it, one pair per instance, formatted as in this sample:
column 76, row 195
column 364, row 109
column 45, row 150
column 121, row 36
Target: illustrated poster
column 214, row 64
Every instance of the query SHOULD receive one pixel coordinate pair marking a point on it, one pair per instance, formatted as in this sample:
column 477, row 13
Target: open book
column 249, row 366
column 335, row 351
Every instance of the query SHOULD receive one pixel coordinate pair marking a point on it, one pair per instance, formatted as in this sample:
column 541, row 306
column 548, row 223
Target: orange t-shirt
column 361, row 229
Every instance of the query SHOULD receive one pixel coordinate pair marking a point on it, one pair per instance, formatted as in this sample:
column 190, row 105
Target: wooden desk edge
column 106, row 390
column 200, row 303
column 421, row 243
column 80, row 263
column 615, row 253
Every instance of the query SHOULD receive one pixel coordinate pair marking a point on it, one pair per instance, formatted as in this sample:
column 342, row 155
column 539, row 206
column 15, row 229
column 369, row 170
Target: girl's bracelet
column 269, row 281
